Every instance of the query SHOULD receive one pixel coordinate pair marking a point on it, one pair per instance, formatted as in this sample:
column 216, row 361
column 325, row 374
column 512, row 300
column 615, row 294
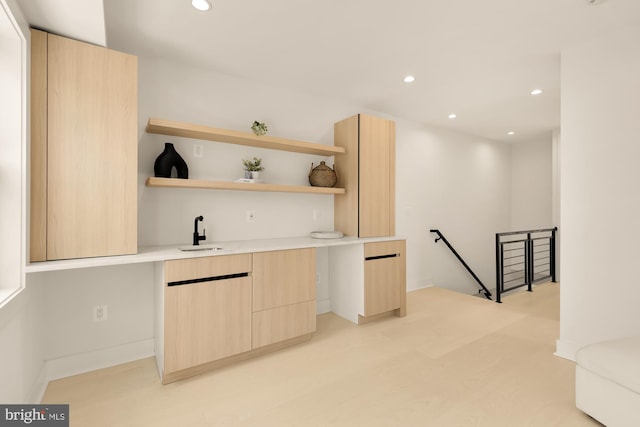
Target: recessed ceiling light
column 511, row 132
column 536, row 92
column 452, row 116
column 409, row 79
column 202, row 5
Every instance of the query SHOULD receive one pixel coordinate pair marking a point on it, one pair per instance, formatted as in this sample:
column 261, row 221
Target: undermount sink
column 200, row 248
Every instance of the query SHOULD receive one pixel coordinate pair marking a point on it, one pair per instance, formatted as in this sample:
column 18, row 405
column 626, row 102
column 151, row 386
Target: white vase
column 255, row 175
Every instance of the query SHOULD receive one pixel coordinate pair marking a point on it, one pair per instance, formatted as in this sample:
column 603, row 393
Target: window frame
column 20, row 26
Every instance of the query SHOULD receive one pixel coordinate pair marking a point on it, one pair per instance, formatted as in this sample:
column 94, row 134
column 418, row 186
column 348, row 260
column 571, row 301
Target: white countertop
column 163, row 253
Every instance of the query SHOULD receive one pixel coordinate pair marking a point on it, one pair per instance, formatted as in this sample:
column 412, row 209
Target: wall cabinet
column 83, row 150
column 284, row 293
column 367, row 172
column 207, row 310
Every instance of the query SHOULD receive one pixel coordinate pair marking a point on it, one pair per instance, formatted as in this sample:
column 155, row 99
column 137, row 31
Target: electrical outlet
column 251, row 216
column 100, row 313
column 197, row 150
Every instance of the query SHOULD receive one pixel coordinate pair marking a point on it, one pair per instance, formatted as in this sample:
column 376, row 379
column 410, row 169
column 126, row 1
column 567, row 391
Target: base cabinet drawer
column 282, row 323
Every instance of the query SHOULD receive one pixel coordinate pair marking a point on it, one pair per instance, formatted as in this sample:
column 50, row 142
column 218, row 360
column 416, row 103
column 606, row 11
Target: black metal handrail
column 535, row 254
column 486, row 291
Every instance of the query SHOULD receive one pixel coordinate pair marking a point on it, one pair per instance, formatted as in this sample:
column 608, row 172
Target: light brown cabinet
column 83, row 150
column 284, row 293
column 220, row 309
column 207, row 310
column 384, row 278
column 367, row 172
column 368, row 281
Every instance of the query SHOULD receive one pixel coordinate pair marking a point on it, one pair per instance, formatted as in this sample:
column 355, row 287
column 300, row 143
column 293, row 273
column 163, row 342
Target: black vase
column 169, row 159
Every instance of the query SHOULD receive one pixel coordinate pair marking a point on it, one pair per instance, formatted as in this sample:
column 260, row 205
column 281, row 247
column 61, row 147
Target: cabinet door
column 206, row 321
column 384, row 277
column 283, row 278
column 284, row 292
column 91, row 150
column 376, row 178
column 345, row 206
column 367, row 172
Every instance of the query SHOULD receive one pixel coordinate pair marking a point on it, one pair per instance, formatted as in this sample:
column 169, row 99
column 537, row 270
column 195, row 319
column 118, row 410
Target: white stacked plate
column 327, row 234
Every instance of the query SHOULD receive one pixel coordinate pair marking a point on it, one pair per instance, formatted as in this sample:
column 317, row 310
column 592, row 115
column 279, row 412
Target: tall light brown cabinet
column 367, row 172
column 367, row 209
column 83, row 150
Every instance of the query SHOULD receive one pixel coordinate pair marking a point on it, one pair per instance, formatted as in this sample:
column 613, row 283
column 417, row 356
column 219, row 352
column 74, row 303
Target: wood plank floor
column 455, row 360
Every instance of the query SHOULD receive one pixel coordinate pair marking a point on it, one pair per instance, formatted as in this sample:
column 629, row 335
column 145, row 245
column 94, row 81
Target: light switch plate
column 197, row 150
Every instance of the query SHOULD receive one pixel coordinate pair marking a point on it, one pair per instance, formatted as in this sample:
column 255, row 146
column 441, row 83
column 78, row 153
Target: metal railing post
column 552, row 254
column 500, row 283
column 528, row 262
column 498, row 271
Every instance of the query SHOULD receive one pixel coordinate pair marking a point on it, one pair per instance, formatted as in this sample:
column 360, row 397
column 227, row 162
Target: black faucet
column 197, row 237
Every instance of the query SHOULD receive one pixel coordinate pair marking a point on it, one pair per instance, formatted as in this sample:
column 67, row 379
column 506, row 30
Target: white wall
column 556, row 200
column 172, row 91
column 22, row 377
column 599, row 191
column 69, row 329
column 456, row 183
column 531, row 185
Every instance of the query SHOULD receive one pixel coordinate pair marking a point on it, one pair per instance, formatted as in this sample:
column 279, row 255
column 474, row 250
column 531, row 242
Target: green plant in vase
column 252, row 168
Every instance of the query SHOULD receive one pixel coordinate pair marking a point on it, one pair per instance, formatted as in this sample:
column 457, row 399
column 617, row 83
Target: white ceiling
column 77, row 19
column 478, row 59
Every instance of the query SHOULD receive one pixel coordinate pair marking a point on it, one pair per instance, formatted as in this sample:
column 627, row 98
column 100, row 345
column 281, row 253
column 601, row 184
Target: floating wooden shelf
column 188, row 130
column 228, row 185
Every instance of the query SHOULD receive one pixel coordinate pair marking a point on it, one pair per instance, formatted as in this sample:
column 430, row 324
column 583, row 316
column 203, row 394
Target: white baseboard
column 90, row 361
column 417, row 287
column 323, row 306
column 39, row 387
column 566, row 349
